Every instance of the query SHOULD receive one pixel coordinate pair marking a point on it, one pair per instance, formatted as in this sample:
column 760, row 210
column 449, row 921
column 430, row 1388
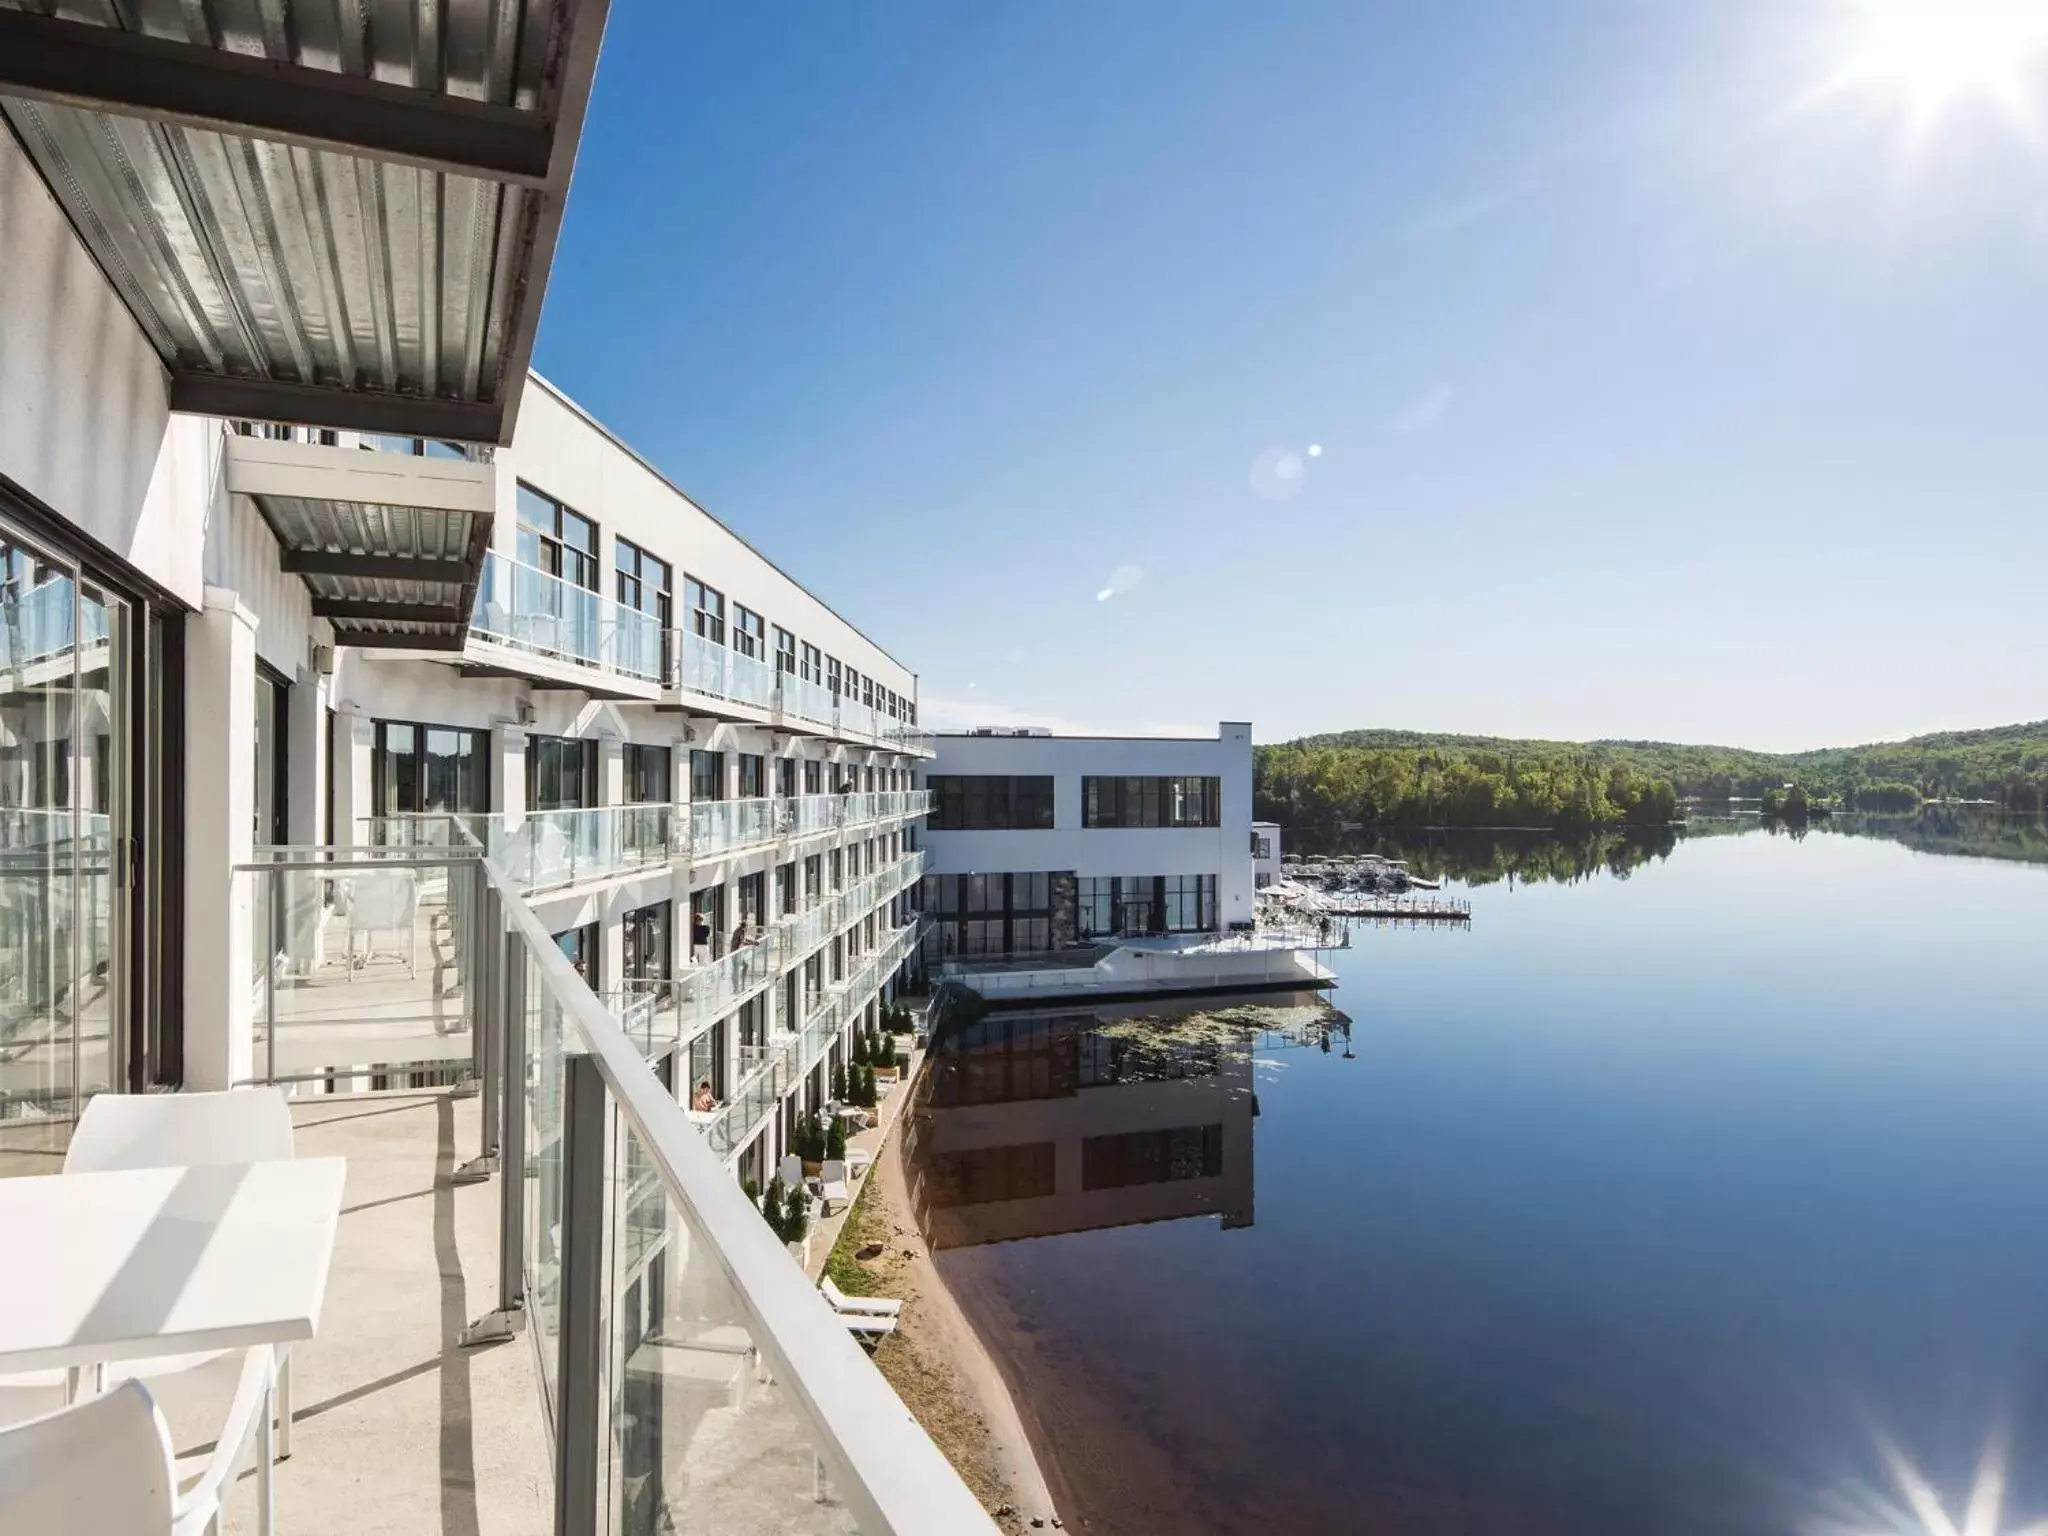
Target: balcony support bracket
column 493, row 1328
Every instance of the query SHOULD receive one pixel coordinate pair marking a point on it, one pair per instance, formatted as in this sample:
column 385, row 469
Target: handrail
column 890, row 1474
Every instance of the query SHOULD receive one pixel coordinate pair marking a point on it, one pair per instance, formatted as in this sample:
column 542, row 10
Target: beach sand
column 936, row 1362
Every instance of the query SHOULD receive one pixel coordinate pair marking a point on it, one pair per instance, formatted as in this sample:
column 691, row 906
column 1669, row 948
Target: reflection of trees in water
column 1484, row 857
column 1964, row 830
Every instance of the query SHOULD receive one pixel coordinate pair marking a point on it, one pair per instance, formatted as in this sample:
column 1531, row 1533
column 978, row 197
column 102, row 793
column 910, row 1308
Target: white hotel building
column 372, row 719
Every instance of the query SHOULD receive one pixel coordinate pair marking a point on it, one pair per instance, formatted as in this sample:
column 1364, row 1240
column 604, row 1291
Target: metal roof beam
column 207, row 394
column 329, row 562
column 379, row 640
column 110, row 70
column 396, row 613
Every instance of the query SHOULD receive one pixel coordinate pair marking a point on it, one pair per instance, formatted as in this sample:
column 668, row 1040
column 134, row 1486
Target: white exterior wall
column 1224, row 850
column 563, row 453
column 1265, row 853
column 84, row 400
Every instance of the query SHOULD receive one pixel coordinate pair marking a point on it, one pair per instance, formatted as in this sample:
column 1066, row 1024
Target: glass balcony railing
column 542, row 850
column 701, row 665
column 719, row 827
column 647, row 1282
column 530, row 610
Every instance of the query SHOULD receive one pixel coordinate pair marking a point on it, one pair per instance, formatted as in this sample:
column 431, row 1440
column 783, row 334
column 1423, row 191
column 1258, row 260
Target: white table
column 164, row 1261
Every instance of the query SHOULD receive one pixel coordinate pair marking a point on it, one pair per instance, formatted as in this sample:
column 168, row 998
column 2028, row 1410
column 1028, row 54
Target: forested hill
column 1406, row 778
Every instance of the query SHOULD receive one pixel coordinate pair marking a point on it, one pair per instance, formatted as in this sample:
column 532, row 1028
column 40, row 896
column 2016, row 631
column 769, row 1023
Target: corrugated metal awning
column 336, row 212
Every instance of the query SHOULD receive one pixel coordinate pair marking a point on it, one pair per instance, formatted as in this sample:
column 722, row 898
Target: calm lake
column 1711, row 1197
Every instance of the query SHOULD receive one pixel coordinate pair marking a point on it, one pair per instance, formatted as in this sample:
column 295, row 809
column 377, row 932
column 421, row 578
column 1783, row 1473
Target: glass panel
column 37, row 1038
column 362, row 965
column 100, row 722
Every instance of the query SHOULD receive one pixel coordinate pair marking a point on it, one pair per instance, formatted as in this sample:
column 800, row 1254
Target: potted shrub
column 835, row 1140
column 810, row 1143
column 860, row 1048
column 795, row 1227
column 839, row 1083
column 771, row 1205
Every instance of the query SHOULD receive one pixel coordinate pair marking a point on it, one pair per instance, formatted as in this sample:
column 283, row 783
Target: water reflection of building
column 1037, row 1123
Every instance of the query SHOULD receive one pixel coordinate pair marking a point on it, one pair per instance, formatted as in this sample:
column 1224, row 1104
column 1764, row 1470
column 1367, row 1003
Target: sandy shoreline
column 935, row 1360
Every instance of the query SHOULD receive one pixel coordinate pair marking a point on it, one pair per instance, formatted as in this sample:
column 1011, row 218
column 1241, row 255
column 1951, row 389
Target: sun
column 1939, row 52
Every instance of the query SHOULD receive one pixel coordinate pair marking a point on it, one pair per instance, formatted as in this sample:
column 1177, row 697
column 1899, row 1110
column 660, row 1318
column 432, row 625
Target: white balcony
column 741, row 1404
column 534, row 624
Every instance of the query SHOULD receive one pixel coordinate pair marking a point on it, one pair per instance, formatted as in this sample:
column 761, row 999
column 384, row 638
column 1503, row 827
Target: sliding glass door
column 67, row 712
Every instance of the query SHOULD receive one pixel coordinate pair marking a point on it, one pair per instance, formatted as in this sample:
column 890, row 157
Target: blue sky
column 1676, row 369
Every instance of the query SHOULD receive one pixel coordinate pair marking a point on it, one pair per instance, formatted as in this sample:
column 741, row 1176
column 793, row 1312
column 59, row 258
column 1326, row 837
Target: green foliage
column 1795, row 802
column 1407, row 779
column 860, row 1047
column 1321, row 787
column 796, row 1218
column 771, row 1204
column 835, row 1139
column 839, row 1083
column 811, row 1138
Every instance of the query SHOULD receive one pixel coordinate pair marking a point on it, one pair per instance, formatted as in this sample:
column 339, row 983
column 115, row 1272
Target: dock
column 1395, row 909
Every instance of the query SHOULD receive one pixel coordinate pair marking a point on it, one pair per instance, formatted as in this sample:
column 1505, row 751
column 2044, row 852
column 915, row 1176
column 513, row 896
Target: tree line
column 2005, row 765
column 1325, row 788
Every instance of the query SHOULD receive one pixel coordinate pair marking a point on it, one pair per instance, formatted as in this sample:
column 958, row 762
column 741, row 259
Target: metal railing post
column 579, row 1378
column 270, row 947
column 509, row 1316
column 479, row 978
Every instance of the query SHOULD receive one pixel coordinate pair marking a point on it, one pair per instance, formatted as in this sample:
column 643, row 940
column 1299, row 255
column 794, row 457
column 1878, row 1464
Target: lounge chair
column 862, row 1323
column 832, row 1183
column 868, row 1306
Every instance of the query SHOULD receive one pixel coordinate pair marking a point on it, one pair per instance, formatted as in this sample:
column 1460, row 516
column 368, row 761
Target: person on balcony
column 703, row 1101
column 700, row 938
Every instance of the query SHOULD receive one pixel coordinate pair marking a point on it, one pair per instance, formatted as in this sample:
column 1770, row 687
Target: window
column 420, row 768
column 1152, row 1157
column 867, row 692
column 1188, row 800
column 749, row 633
column 785, row 777
column 707, row 775
column 785, row 889
column 1127, row 905
column 832, row 678
column 646, row 774
column 988, row 802
column 646, row 584
column 753, row 776
column 555, row 539
column 753, row 893
column 814, row 776
column 988, row 1175
column 1190, row 903
column 814, row 867
column 706, row 610
column 647, row 943
column 836, row 862
column 581, row 946
column 785, row 650
column 812, row 664
column 561, row 773
column 990, row 914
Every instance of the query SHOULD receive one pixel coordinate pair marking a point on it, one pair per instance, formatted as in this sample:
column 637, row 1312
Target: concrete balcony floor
column 396, row 1427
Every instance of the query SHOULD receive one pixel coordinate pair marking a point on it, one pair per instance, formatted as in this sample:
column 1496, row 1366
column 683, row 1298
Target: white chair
column 188, row 1130
column 104, row 1465
column 869, row 1306
column 858, row 1161
column 861, row 1323
column 791, row 1172
column 388, row 903
column 832, row 1183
